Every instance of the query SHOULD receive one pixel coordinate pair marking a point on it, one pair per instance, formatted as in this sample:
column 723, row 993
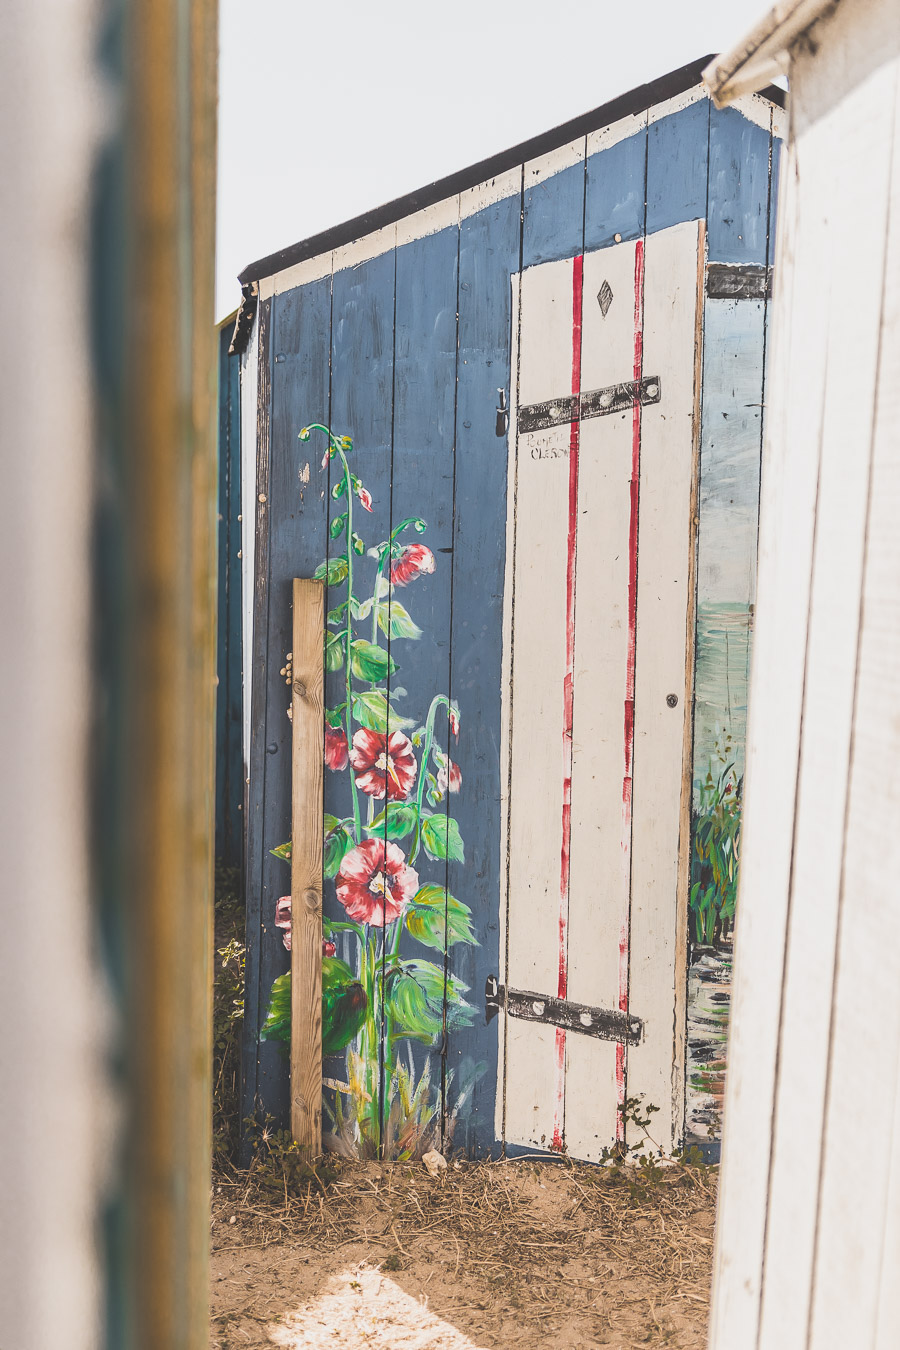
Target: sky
column 326, row 111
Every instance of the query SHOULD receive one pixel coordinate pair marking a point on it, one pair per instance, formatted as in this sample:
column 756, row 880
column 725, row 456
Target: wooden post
column 307, row 704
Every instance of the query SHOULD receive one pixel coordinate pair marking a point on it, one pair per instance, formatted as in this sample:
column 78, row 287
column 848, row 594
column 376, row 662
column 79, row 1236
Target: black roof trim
column 635, row 101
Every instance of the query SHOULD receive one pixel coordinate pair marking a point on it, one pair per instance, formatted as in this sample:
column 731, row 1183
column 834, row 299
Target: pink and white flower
column 383, row 763
column 374, row 883
column 414, row 560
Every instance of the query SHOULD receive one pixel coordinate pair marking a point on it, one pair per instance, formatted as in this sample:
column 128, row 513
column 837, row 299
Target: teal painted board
column 738, row 210
column 677, row 159
column 488, row 255
column 615, row 192
column 229, row 650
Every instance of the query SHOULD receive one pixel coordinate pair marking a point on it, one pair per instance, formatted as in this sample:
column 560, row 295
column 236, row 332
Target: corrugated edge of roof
column 635, row 101
column 764, row 53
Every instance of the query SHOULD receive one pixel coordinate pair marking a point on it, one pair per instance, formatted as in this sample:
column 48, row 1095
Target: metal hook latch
column 502, row 414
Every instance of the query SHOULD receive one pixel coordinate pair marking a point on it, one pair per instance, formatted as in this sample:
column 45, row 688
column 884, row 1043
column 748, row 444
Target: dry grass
column 515, row 1253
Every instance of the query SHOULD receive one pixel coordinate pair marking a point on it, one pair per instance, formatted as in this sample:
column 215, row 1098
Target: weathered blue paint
column 297, row 366
column 406, row 352
column 423, row 485
column 489, row 254
column 554, row 214
column 229, row 653
column 738, row 217
column 677, row 157
column 616, row 191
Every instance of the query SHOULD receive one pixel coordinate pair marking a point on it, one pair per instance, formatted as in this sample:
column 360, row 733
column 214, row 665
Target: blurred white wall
column 52, row 1106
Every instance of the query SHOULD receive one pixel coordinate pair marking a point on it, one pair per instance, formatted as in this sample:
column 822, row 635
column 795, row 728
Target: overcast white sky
column 328, row 110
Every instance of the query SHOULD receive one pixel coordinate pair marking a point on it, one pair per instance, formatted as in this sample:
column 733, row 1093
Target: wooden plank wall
column 808, row 1232
column 229, row 661
column 403, row 341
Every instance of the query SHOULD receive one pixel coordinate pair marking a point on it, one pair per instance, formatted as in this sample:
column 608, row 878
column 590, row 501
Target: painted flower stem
column 436, row 702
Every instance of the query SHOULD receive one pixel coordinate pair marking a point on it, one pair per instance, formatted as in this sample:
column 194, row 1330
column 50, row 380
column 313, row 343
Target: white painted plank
column 538, row 645
column 599, row 878
column 665, row 540
column 787, row 511
column 855, row 245
column 865, row 1017
column 553, row 162
column 429, row 220
column 887, row 1323
column 488, row 193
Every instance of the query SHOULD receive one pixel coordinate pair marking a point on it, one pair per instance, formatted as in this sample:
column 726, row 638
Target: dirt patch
column 513, row 1254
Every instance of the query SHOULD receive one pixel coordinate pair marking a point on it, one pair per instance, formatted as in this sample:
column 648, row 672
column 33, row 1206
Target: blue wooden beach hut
column 538, row 544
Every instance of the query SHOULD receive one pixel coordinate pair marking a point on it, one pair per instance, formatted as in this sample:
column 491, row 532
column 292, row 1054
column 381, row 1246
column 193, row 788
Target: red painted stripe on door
column 568, row 697
column 628, row 778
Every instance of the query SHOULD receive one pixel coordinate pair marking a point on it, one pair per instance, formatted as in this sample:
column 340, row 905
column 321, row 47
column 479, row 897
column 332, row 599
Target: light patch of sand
column 363, row 1309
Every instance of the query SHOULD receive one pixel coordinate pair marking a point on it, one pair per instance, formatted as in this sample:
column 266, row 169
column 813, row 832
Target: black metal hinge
column 615, row 398
column 605, row 1024
column 738, row 281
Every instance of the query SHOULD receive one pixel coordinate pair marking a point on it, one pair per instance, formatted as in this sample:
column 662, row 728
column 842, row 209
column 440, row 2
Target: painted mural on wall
column 729, row 511
column 387, row 856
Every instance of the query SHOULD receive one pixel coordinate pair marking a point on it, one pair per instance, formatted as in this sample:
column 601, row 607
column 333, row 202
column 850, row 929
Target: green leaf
column 441, row 837
column 277, row 1026
column 335, row 615
column 396, row 822
column 334, row 571
column 331, row 822
column 337, row 525
column 339, row 488
column 337, row 843
column 357, row 544
column 369, row 662
column 344, row 1005
column 365, row 609
column 334, row 650
column 426, row 922
column 371, row 709
column 283, row 851
column 414, row 994
column 394, row 621
column 335, row 716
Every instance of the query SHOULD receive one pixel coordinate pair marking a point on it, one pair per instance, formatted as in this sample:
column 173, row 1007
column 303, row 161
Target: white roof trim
column 764, row 53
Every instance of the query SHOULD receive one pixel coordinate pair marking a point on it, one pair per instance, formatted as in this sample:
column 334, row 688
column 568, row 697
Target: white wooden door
column 598, row 655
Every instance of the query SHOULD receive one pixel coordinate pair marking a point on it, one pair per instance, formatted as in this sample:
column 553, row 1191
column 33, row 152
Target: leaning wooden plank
column 857, row 238
column 787, row 515
column 865, row 1010
column 663, row 679
column 307, row 722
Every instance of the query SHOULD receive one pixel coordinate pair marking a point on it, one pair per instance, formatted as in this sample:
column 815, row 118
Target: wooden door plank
column 600, row 873
column 864, row 1050
column 831, row 663
column 536, row 605
column 672, row 295
column 489, row 252
column 307, row 775
column 738, row 211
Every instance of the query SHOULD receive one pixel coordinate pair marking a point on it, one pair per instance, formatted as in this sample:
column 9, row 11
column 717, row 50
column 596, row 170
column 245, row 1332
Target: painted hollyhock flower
column 383, row 761
column 283, row 919
column 336, row 754
column 365, row 497
column 412, row 562
column 453, row 714
column 374, row 882
column 449, row 775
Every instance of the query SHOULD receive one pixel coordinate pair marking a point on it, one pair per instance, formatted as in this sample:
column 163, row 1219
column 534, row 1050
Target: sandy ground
column 517, row 1254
